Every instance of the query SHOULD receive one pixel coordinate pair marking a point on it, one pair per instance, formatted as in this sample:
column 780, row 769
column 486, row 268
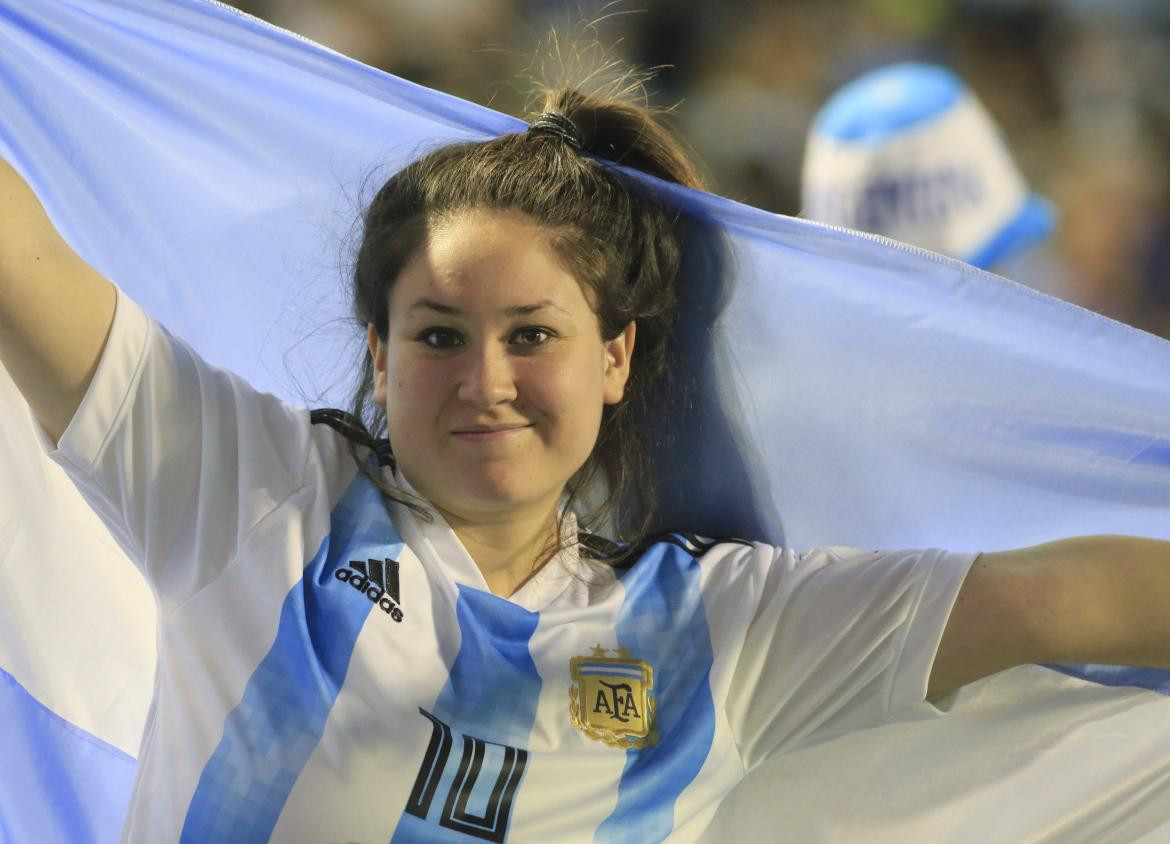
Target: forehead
column 488, row 260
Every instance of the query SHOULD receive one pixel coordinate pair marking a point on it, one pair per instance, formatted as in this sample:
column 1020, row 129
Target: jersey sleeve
column 179, row 459
column 839, row 639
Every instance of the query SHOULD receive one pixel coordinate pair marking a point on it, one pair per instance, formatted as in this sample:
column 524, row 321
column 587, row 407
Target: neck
column 508, row 548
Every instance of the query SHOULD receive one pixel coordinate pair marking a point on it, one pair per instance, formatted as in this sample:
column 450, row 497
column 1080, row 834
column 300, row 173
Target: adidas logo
column 378, row 581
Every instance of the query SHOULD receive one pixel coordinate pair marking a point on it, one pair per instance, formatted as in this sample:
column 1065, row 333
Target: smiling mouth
column 489, row 434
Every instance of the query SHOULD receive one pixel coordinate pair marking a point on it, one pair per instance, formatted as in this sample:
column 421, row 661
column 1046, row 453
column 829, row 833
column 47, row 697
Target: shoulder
column 712, row 564
column 674, row 545
column 349, row 433
column 734, row 561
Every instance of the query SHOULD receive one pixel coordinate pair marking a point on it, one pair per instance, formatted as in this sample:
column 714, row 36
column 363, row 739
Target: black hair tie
column 562, row 127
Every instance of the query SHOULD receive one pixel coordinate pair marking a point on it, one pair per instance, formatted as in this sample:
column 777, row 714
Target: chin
column 494, row 490
column 494, row 497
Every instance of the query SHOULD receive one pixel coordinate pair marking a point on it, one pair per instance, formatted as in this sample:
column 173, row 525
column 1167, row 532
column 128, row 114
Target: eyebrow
column 515, row 310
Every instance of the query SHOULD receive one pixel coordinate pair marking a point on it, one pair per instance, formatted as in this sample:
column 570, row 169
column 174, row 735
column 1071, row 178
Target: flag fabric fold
column 852, row 391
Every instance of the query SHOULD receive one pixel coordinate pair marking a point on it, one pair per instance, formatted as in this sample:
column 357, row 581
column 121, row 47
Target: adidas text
column 378, row 581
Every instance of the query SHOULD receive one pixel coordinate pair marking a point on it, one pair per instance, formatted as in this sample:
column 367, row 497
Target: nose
column 488, row 379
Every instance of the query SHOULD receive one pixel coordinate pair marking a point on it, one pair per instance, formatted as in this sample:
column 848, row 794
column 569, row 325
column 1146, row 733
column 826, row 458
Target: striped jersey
column 333, row 668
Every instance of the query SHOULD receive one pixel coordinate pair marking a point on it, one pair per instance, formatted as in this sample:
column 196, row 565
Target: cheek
column 570, row 391
column 413, row 390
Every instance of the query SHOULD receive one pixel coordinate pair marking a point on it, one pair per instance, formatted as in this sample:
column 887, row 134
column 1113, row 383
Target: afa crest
column 611, row 699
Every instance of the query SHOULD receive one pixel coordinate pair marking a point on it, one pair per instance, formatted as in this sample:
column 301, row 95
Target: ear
column 378, row 354
column 618, row 353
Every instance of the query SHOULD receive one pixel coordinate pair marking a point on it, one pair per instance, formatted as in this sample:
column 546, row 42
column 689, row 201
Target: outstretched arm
column 1097, row 599
column 55, row 310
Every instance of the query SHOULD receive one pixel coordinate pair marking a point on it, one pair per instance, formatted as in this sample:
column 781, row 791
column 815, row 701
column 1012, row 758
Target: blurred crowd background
column 1078, row 87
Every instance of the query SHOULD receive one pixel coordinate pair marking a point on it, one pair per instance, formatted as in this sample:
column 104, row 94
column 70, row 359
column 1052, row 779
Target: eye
column 531, row 336
column 440, row 338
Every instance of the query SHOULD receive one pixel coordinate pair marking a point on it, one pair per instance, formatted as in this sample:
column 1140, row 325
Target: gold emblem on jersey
column 611, row 699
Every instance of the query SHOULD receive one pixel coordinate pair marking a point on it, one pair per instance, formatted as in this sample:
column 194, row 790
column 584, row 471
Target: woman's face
column 494, row 371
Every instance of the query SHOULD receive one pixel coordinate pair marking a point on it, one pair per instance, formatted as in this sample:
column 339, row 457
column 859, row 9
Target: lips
column 489, row 433
column 491, row 429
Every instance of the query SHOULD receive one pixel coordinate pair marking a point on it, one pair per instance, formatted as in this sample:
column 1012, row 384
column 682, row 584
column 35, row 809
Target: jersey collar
column 439, row 548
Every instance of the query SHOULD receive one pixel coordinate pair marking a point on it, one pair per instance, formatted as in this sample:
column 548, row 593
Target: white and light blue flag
column 851, row 391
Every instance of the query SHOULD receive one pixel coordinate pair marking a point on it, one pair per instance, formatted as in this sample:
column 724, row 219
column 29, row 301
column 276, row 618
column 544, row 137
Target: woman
column 420, row 643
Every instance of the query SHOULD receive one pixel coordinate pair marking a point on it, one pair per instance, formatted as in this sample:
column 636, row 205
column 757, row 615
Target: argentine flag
column 855, row 392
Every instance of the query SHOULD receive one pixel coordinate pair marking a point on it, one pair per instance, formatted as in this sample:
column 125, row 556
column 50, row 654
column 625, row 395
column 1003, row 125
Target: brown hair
column 622, row 244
